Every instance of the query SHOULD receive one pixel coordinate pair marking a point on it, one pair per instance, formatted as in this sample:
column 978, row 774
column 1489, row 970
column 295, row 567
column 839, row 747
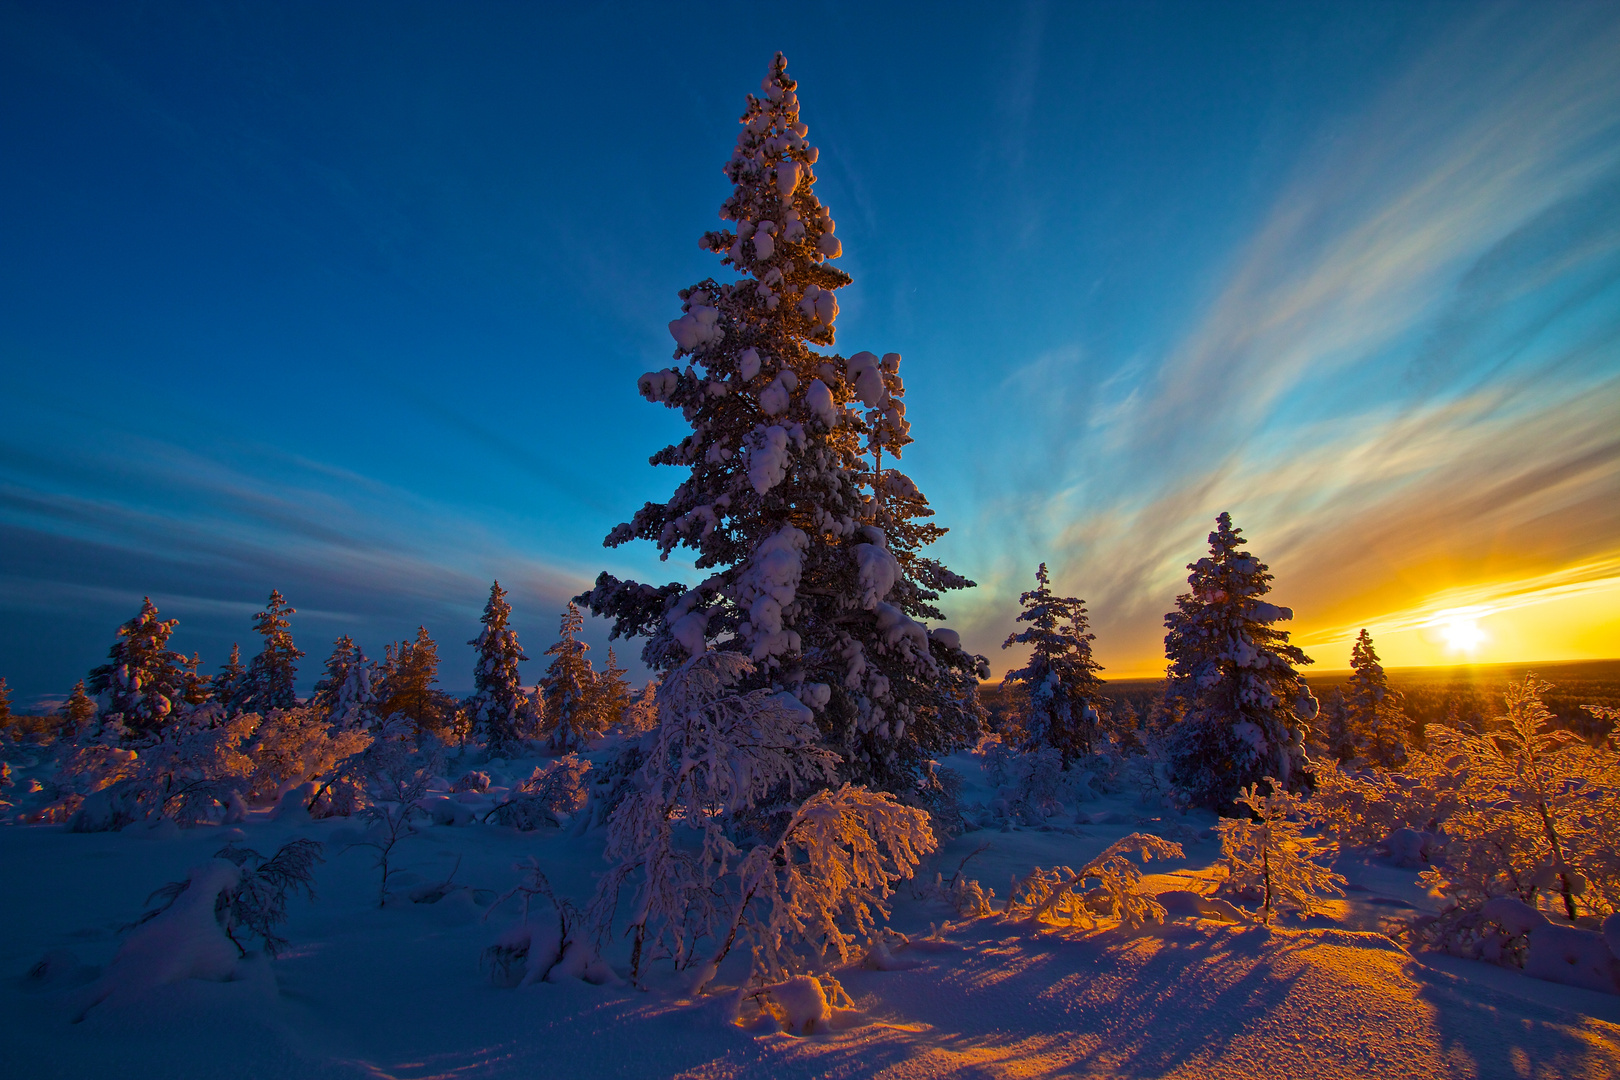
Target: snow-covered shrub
column 255, row 903
column 1537, row 814
column 962, row 893
column 995, row 757
column 1268, row 857
column 396, row 805
column 1108, row 886
column 803, row 1004
column 941, row 796
column 292, row 746
column 188, row 770
column 713, row 868
column 472, row 780
column 553, row 792
column 534, row 947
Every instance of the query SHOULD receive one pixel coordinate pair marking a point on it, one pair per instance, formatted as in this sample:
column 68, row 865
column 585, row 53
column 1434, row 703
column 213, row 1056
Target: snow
column 819, row 400
column 866, row 376
column 803, row 1003
column 748, row 364
column 768, row 457
column 364, row 992
column 773, row 400
column 697, row 328
column 879, row 571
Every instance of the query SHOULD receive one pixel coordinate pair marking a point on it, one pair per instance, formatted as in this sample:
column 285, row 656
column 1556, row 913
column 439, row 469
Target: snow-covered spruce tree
column 500, row 708
column 411, row 672
column 1244, row 706
column 5, row 703
column 78, row 712
column 572, row 717
column 1060, row 684
column 812, row 540
column 269, row 680
column 1373, row 714
column 195, row 688
column 228, row 684
column 142, row 680
column 611, row 694
column 345, row 654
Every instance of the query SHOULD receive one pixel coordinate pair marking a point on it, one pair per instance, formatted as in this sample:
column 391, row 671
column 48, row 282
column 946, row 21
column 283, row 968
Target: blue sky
column 349, row 300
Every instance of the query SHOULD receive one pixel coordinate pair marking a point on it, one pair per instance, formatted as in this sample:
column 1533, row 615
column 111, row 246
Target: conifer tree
column 413, row 672
column 610, row 693
column 142, row 680
column 5, row 703
column 1244, row 706
column 812, row 544
column 78, row 711
column 500, row 708
column 229, row 683
column 196, row 688
column 269, row 681
column 345, row 654
column 573, row 716
column 1061, row 688
column 1374, row 715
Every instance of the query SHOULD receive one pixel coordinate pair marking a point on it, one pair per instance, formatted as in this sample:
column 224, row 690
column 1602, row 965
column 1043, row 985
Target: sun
column 1462, row 632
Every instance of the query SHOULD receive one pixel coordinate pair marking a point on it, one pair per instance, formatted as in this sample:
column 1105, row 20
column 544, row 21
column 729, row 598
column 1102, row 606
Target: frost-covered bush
column 253, row 902
column 292, row 746
column 713, row 866
column 394, row 809
column 1537, row 811
column 549, row 937
column 189, row 771
column 1268, row 857
column 1108, row 887
column 554, row 792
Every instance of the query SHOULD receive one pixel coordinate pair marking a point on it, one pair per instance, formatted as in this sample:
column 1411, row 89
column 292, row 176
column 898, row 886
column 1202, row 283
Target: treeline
column 145, row 687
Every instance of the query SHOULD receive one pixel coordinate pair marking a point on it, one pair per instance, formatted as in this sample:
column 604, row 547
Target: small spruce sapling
column 1269, row 857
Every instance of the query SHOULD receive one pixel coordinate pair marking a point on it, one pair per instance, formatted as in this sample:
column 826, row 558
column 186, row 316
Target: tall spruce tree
column 1062, row 693
column 5, row 703
column 501, row 711
column 573, row 716
column 1244, row 708
column 811, row 538
column 143, row 680
column 269, row 680
column 1373, row 711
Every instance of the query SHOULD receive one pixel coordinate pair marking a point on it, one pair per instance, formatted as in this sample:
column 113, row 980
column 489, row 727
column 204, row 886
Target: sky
column 349, row 300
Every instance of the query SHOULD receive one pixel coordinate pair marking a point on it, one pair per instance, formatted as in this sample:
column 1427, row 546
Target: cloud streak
column 1406, row 381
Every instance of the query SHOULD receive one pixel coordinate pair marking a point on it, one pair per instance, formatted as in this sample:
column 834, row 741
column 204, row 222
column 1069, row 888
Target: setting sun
column 1461, row 631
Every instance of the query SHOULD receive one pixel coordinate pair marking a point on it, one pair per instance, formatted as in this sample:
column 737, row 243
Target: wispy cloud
column 1409, row 377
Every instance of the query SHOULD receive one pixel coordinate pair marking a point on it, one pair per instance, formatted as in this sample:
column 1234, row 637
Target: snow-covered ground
column 398, row 991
